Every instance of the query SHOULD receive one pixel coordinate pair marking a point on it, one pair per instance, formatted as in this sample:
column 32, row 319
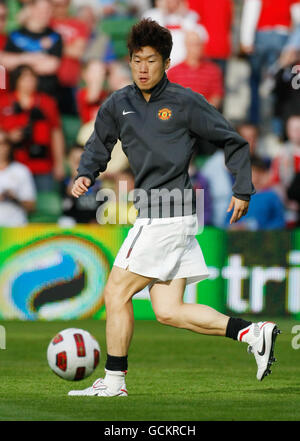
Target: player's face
column 147, row 67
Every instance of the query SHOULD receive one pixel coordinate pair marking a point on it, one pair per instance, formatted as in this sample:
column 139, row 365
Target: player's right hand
column 239, row 207
column 80, row 186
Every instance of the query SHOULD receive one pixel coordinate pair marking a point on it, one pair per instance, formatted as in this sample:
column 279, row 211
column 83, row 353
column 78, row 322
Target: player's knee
column 115, row 298
column 166, row 317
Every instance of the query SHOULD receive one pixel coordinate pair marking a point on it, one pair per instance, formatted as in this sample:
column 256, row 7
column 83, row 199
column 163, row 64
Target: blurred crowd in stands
column 60, row 59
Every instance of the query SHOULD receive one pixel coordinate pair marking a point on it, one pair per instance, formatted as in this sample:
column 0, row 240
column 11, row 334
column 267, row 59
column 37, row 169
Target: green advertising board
column 51, row 273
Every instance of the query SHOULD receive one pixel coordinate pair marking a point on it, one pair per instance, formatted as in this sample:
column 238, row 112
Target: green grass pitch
column 174, row 375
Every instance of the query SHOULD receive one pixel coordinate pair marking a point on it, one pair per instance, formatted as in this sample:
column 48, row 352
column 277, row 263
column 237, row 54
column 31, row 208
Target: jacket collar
column 157, row 89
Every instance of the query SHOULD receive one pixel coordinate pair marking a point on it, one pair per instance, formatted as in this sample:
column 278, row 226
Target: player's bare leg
column 168, row 305
column 119, row 290
column 169, row 308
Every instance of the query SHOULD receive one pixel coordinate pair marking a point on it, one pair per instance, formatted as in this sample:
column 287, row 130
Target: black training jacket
column 158, row 138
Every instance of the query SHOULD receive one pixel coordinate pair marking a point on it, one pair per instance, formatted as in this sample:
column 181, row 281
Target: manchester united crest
column 164, row 114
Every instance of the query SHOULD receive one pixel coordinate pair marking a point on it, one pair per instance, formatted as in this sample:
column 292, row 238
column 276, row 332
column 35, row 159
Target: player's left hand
column 239, row 207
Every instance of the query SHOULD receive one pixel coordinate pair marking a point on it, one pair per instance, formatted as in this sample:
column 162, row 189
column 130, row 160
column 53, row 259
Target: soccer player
column 157, row 122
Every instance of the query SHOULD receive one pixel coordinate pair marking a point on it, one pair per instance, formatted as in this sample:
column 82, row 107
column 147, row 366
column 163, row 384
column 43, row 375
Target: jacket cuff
column 242, row 197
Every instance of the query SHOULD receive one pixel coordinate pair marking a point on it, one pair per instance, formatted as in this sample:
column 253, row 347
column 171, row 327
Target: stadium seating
column 70, row 125
column 118, row 29
column 48, row 207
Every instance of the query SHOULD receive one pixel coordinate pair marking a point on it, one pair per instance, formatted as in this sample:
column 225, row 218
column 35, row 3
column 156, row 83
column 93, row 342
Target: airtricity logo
column 236, row 273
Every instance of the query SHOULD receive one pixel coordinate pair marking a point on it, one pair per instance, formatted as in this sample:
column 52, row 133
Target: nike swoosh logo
column 263, row 350
column 126, row 113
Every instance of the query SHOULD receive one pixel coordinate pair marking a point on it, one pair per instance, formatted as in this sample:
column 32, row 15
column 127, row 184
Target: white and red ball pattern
column 73, row 354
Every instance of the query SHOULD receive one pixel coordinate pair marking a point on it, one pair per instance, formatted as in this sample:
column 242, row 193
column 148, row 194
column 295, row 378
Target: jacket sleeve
column 205, row 121
column 97, row 151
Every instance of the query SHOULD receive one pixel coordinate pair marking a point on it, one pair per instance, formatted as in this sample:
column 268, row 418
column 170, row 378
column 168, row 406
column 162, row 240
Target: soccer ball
column 73, row 354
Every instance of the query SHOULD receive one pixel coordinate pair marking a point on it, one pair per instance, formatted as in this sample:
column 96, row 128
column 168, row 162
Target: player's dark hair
column 149, row 33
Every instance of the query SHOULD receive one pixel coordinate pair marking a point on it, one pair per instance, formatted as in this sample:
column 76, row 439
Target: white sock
column 114, row 379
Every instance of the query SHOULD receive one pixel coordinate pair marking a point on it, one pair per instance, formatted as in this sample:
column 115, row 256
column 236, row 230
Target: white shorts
column 164, row 249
